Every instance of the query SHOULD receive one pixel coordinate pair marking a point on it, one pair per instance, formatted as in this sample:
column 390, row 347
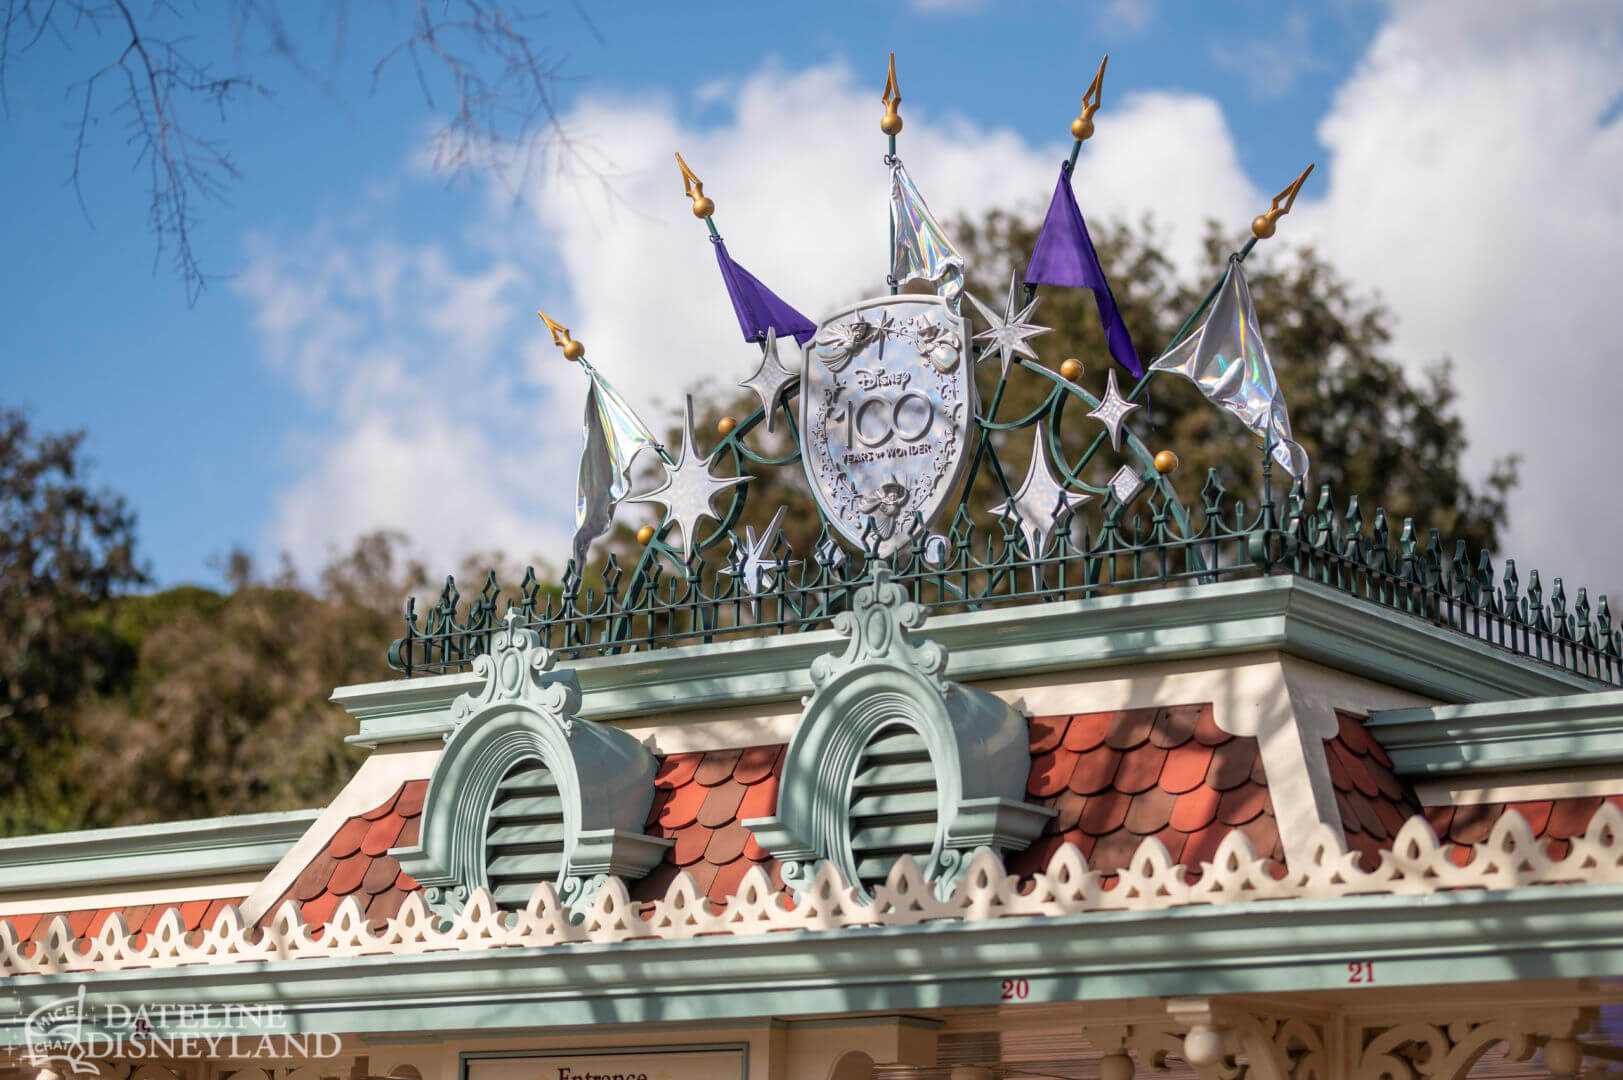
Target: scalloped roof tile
column 356, row 862
column 1161, row 772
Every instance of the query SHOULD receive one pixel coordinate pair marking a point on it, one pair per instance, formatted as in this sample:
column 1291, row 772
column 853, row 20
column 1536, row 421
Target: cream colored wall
column 777, row 1050
column 129, row 894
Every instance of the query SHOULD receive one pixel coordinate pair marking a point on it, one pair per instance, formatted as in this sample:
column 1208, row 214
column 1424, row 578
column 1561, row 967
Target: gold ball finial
column 892, row 97
column 725, row 425
column 1165, row 462
column 1262, row 227
column 693, row 188
column 1082, row 127
column 645, row 534
column 572, row 349
column 1071, row 369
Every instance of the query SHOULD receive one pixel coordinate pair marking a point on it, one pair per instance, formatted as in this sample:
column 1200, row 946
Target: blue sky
column 374, row 359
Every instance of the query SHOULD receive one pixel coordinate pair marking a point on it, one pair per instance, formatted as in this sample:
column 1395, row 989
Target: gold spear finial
column 892, row 123
column 573, row 350
column 1263, row 227
column 693, row 188
column 1082, row 126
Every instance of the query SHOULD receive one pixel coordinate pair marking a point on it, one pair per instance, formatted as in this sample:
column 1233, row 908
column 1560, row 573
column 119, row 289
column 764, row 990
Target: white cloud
column 1474, row 181
column 802, row 206
column 1270, row 64
column 428, row 432
column 947, row 7
column 1127, row 16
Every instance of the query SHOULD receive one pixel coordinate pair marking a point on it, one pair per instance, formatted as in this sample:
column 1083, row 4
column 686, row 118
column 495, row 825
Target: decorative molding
column 1279, row 613
column 1417, row 1050
column 207, row 848
column 1489, row 736
column 526, row 711
column 1418, row 865
column 978, row 746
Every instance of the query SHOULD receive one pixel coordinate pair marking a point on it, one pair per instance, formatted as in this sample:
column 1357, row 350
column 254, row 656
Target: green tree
column 226, row 710
column 66, row 551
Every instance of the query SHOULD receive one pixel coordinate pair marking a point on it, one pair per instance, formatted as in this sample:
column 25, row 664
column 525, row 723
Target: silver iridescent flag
column 614, row 436
column 922, row 248
column 1226, row 357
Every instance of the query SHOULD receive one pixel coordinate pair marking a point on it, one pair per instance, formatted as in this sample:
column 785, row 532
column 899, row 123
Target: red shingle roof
column 140, row 918
column 356, row 862
column 1373, row 802
column 1553, row 821
column 699, row 801
column 1114, row 777
column 1120, row 776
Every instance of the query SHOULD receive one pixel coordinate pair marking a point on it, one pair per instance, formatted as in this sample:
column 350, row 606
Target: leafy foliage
column 65, row 551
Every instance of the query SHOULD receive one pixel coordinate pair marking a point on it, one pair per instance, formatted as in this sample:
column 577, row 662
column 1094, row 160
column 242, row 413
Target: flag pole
column 891, row 125
column 1262, row 227
column 1081, row 131
column 575, row 352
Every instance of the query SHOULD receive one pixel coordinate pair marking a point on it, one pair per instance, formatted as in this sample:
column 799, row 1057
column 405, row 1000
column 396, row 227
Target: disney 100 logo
column 885, row 404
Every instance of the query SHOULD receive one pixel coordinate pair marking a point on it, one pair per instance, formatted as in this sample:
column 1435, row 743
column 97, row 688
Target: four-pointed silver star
column 1125, row 484
column 770, row 380
column 751, row 562
column 1041, row 501
column 1112, row 410
column 690, row 488
column 1007, row 333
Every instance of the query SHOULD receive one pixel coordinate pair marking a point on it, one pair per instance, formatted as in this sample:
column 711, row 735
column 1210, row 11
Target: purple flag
column 758, row 308
column 1064, row 255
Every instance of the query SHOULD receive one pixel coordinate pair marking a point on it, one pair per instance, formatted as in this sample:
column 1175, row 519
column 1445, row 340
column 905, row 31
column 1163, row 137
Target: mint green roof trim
column 1533, row 733
column 1283, row 613
column 211, row 846
column 1539, row 932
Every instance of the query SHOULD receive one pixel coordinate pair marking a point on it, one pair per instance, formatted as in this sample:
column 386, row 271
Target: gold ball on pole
column 1082, row 128
column 1165, row 462
column 1071, row 369
column 574, row 350
column 645, row 534
column 703, row 206
column 726, row 424
column 892, row 123
column 1262, row 227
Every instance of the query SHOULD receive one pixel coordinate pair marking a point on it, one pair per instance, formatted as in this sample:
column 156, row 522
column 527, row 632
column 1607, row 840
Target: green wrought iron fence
column 1114, row 549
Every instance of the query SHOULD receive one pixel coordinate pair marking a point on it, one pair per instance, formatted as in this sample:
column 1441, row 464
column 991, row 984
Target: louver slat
column 524, row 840
column 893, row 804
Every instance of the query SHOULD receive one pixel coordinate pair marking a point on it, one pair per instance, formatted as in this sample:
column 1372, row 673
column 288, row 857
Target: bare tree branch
column 501, row 118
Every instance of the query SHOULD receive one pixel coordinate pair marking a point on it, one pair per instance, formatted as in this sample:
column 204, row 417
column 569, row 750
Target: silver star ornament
column 690, row 488
column 752, row 562
column 1112, row 410
column 770, row 380
column 1041, row 501
column 1006, row 334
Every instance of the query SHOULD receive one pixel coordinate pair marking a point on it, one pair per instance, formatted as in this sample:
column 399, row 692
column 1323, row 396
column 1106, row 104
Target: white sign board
column 632, row 1063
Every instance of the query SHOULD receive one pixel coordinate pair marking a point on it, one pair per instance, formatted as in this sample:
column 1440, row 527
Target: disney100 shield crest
column 885, row 402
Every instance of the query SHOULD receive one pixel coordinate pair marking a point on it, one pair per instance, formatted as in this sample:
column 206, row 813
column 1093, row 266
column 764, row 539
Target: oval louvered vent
column 524, row 840
column 893, row 804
